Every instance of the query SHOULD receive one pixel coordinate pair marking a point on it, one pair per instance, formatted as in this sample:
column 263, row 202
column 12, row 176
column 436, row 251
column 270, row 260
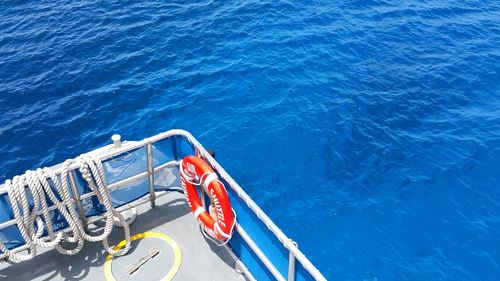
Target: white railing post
column 291, row 264
column 151, row 178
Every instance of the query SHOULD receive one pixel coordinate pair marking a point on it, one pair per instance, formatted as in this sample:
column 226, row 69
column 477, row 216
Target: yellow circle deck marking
column 108, row 274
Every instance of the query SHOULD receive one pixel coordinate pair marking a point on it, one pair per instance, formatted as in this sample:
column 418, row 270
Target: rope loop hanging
column 45, row 189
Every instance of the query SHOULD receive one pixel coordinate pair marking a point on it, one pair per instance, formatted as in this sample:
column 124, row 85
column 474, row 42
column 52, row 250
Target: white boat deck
column 201, row 259
column 150, row 166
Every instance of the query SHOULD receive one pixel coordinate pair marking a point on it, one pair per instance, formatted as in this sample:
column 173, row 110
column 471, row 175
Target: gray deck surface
column 201, row 259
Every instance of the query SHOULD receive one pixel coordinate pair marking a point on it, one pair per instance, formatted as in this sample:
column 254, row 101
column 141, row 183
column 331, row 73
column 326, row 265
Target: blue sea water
column 368, row 130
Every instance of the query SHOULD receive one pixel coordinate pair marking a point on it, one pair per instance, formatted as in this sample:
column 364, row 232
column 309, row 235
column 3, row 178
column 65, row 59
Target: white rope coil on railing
column 39, row 188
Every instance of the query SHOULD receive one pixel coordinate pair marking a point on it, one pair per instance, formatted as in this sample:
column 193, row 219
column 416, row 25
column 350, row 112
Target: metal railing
column 119, row 148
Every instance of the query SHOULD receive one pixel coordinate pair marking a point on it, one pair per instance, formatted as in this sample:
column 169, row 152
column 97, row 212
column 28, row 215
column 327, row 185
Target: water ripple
column 368, row 130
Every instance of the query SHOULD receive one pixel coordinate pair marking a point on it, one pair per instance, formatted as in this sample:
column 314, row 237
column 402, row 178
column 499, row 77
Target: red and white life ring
column 195, row 170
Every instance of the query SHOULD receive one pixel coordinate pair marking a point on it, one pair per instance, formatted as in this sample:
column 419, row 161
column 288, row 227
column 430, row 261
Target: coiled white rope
column 37, row 183
column 131, row 218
